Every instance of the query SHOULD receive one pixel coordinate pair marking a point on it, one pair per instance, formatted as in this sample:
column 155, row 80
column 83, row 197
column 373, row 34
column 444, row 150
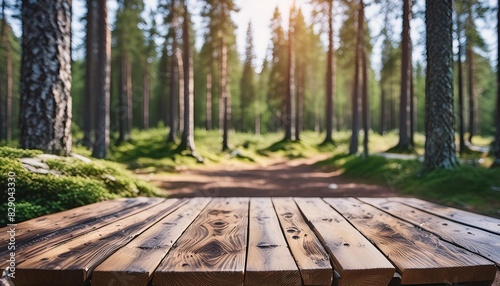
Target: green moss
column 10, row 152
column 79, row 184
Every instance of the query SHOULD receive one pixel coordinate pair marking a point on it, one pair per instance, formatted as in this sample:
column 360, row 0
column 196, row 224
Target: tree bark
column 182, row 89
column 383, row 116
column 225, row 97
column 472, row 91
column 439, row 123
column 46, row 76
column 353, row 146
column 187, row 142
column 125, row 99
column 299, row 117
column 101, row 143
column 91, row 76
column 146, row 94
column 404, row 108
column 364, row 67
column 174, row 85
column 496, row 143
column 461, row 125
column 330, row 62
column 290, row 87
column 209, row 102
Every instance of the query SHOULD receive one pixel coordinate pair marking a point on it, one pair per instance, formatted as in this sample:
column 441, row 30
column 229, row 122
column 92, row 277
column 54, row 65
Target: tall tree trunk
column 330, row 63
column 404, row 108
column 472, row 92
column 461, row 125
column 209, row 102
column 225, row 96
column 187, row 142
column 46, row 104
column 174, row 87
column 413, row 107
column 364, row 67
column 125, row 98
column 3, row 96
column 101, row 142
column 182, row 89
column 146, row 92
column 299, row 117
column 290, row 87
column 439, row 123
column 91, row 76
column 353, row 146
column 496, row 143
column 383, row 115
column 9, row 93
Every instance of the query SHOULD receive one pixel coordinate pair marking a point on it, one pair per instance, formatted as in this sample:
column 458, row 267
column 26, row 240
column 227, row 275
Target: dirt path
column 282, row 178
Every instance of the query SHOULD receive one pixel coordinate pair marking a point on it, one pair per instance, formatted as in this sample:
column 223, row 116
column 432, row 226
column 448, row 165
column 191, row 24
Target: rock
column 34, row 162
column 81, row 158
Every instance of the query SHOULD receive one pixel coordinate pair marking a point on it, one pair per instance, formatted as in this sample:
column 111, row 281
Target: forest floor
column 278, row 178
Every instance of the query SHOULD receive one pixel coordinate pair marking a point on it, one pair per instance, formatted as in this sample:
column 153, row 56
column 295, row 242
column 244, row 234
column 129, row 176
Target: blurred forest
column 284, row 92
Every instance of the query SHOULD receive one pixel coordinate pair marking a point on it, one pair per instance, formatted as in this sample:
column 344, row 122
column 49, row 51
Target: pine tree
column 357, row 89
column 278, row 72
column 91, row 77
column 325, row 9
column 247, row 83
column 7, row 83
column 46, row 105
column 406, row 67
column 439, row 126
column 496, row 143
column 149, row 56
column 187, row 142
column 290, row 78
column 101, row 142
column 221, row 36
column 129, row 41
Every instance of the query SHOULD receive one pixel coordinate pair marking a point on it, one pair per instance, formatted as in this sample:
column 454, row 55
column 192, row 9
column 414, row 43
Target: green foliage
column 79, row 184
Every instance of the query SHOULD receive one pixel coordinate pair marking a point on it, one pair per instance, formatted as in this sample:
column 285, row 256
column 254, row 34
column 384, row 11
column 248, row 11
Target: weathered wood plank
column 67, row 221
column 310, row 256
column 213, row 248
column 419, row 256
column 356, row 260
column 269, row 261
column 135, row 263
column 475, row 240
column 486, row 223
column 72, row 262
column 69, row 225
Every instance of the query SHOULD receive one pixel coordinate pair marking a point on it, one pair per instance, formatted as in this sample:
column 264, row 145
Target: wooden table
column 256, row 241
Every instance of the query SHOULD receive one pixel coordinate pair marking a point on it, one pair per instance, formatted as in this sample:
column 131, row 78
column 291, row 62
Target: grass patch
column 148, row 151
column 468, row 187
column 78, row 183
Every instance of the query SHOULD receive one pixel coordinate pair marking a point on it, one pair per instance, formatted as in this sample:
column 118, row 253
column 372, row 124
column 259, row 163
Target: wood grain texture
column 269, row 261
column 212, row 250
column 69, row 220
column 135, row 263
column 356, row 260
column 475, row 240
column 420, row 257
column 308, row 252
column 58, row 228
column 476, row 220
column 71, row 263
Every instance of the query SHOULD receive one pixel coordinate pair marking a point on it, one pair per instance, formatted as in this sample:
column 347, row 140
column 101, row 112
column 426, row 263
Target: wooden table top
column 256, row 241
